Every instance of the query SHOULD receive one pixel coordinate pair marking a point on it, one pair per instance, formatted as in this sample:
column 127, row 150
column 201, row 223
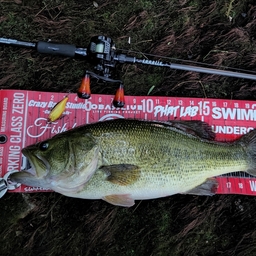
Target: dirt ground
column 220, row 33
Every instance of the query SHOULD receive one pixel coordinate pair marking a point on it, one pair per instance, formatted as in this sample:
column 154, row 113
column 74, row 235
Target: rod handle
column 67, row 50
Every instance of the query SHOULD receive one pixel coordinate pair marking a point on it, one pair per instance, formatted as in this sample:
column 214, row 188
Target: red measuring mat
column 24, row 121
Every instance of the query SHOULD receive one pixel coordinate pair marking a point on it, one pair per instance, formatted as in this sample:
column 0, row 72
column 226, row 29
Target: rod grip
column 67, row 50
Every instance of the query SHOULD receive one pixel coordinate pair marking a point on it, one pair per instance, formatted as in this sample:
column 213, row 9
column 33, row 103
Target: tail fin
column 248, row 141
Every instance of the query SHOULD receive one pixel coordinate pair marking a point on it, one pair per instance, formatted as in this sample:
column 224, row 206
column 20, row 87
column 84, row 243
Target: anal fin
column 208, row 188
column 119, row 200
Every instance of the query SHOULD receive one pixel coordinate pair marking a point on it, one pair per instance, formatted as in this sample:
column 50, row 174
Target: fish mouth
column 39, row 166
column 35, row 175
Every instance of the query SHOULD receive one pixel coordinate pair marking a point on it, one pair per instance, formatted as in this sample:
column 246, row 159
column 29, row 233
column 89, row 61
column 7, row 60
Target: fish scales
column 163, row 149
column 127, row 160
column 169, row 161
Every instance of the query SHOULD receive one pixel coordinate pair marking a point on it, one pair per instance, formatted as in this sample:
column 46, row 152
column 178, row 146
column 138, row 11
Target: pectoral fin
column 120, row 200
column 208, row 188
column 122, row 174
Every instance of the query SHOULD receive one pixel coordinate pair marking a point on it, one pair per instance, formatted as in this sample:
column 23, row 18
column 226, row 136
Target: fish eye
column 43, row 145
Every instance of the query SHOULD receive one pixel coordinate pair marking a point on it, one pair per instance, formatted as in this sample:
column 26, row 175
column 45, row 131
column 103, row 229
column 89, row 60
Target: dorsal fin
column 193, row 127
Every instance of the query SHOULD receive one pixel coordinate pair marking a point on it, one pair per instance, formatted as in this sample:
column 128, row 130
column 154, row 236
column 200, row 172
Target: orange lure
column 119, row 101
column 84, row 91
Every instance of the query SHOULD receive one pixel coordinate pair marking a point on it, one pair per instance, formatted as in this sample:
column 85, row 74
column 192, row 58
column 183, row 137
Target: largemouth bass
column 124, row 160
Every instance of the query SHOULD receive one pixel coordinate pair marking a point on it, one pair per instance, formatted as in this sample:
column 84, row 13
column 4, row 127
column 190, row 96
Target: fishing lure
column 58, row 110
column 119, row 101
column 84, row 91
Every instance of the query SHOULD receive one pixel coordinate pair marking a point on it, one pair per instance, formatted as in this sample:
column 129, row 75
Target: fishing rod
column 102, row 53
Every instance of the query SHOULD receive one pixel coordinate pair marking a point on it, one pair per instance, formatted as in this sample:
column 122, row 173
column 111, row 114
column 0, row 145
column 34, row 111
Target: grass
column 51, row 224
